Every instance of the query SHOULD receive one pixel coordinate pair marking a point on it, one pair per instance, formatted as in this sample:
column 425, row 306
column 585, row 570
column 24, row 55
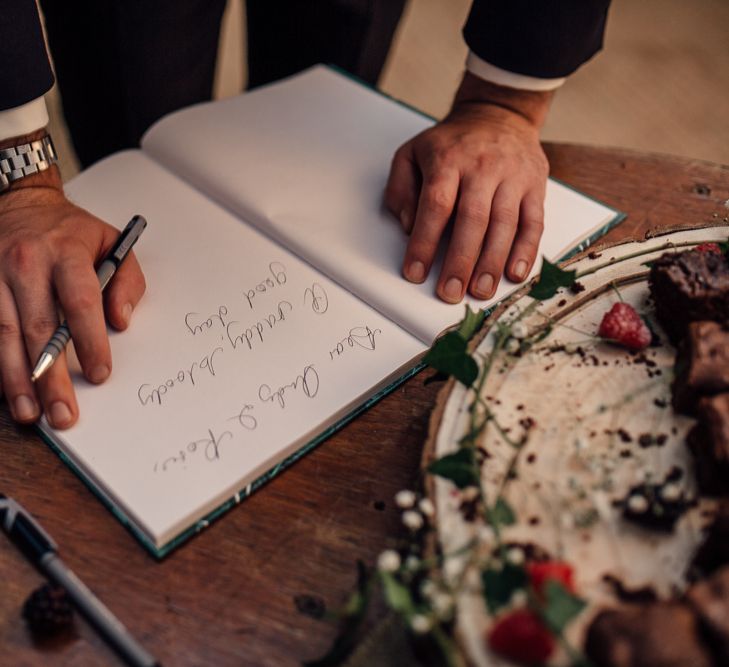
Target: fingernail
column 127, row 313
column 405, row 219
column 98, row 374
column 60, row 414
column 520, row 269
column 453, row 289
column 25, row 408
column 485, row 284
column 416, row 272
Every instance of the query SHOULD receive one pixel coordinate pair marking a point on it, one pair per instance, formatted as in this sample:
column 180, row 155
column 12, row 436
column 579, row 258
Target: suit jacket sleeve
column 25, row 72
column 541, row 38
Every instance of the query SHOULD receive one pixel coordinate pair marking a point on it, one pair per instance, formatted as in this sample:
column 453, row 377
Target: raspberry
column 708, row 247
column 521, row 637
column 622, row 325
column 540, row 572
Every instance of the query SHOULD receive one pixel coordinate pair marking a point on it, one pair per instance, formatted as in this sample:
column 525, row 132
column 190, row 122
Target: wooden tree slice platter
column 596, row 419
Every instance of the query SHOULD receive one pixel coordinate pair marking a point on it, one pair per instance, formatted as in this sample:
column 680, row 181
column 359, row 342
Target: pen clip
column 10, row 510
column 129, row 236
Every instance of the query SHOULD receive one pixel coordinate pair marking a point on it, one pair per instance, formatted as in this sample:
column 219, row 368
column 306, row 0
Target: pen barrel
column 97, row 614
column 60, row 339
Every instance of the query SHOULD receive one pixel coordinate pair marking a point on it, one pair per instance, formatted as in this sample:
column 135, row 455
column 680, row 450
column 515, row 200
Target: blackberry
column 48, row 610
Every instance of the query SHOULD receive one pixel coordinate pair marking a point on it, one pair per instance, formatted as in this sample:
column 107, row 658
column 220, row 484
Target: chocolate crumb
column 379, row 505
column 625, row 594
column 624, row 435
column 527, row 423
column 645, row 440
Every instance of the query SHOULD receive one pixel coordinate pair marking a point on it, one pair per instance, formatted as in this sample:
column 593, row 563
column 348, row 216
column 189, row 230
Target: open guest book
column 275, row 309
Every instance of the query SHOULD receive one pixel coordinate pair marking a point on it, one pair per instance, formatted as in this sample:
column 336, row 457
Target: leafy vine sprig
column 422, row 590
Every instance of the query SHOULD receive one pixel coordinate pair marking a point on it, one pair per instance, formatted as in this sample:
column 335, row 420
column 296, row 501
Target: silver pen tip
column 44, row 363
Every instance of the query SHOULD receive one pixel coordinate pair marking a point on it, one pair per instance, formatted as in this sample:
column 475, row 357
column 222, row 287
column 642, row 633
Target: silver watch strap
column 20, row 161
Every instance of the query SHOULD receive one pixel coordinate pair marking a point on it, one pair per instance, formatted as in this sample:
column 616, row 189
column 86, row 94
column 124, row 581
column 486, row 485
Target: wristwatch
column 20, row 161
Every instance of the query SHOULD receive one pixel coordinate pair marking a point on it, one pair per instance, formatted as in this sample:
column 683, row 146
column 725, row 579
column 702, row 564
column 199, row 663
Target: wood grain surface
column 227, row 597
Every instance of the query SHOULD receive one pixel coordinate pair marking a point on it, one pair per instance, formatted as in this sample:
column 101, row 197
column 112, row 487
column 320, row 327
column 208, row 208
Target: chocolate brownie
column 714, row 551
column 710, row 600
column 708, row 441
column 657, row 634
column 702, row 365
column 687, row 287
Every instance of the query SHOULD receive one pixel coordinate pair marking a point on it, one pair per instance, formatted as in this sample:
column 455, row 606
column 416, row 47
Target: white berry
column 442, row 605
column 405, row 499
column 420, row 624
column 515, row 556
column 519, row 598
column 638, row 504
column 426, row 507
column 388, row 561
column 671, row 492
column 413, row 520
column 428, row 589
column 519, row 330
column 412, row 563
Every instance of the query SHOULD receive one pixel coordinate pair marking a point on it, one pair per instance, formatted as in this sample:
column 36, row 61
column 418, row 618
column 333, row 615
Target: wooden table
column 228, row 596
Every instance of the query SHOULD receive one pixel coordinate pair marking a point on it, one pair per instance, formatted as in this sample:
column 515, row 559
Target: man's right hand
column 48, row 249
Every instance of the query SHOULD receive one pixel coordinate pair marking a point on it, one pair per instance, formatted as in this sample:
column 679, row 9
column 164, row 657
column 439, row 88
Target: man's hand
column 483, row 167
column 48, row 248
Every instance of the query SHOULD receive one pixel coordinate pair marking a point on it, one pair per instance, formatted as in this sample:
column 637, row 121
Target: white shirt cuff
column 24, row 119
column 502, row 77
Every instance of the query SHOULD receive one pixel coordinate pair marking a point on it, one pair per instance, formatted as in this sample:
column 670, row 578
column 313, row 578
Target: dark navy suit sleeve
column 25, row 72
column 548, row 39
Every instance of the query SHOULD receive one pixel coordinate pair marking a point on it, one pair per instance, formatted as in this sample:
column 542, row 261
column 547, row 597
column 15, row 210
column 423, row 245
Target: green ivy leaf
column 436, row 377
column 560, row 606
column 460, row 468
column 551, row 278
column 502, row 514
column 499, row 584
column 724, row 247
column 471, row 323
column 397, row 594
column 448, row 355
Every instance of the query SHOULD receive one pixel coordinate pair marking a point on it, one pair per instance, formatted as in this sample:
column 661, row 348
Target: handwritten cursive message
column 257, row 332
column 276, row 278
column 317, row 297
column 306, row 382
column 154, row 393
column 195, row 324
column 359, row 337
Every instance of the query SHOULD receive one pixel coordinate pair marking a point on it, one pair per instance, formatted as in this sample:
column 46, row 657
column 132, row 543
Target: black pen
column 41, row 550
column 104, row 273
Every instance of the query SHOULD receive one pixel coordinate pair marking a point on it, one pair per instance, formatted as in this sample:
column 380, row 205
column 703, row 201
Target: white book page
column 238, row 354
column 307, row 161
